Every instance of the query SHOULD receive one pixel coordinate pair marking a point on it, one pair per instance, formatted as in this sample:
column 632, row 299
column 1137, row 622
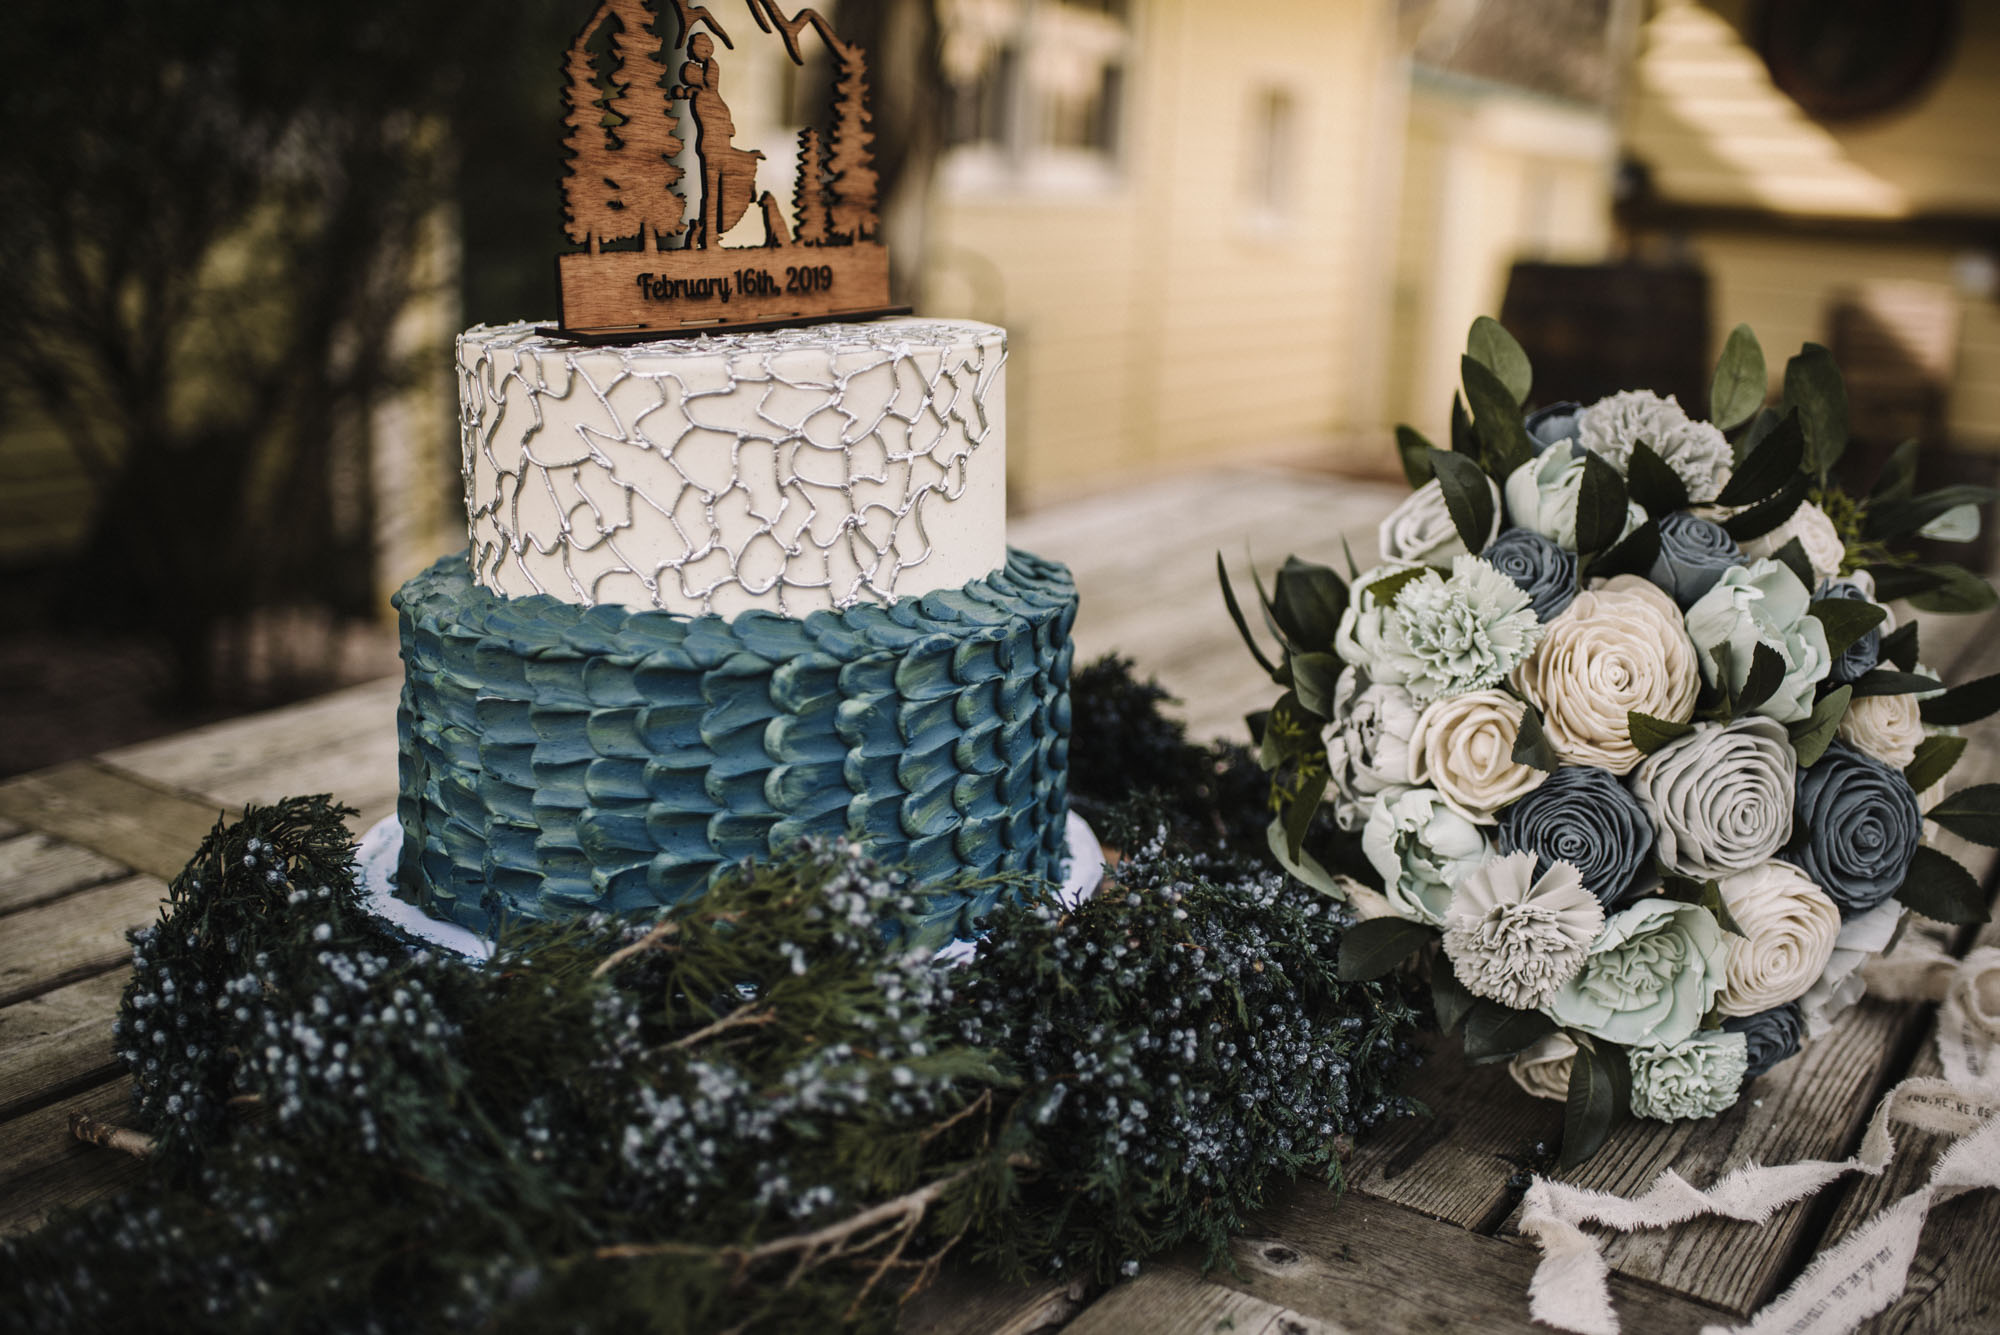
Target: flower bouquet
column 1621, row 736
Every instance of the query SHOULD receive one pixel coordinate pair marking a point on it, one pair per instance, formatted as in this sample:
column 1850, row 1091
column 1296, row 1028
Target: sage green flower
column 1763, row 603
column 1699, row 1077
column 1461, row 634
column 1651, row 976
column 1423, row 849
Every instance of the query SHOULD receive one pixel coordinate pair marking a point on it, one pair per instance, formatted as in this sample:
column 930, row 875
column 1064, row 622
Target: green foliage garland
column 754, row 1113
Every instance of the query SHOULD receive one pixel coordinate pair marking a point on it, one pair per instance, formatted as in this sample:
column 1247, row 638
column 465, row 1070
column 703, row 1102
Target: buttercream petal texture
column 558, row 759
column 1887, row 727
column 1859, row 827
column 1618, row 648
column 1720, row 798
column 1421, row 528
column 1464, row 747
column 1790, row 927
column 1586, row 818
column 1515, row 937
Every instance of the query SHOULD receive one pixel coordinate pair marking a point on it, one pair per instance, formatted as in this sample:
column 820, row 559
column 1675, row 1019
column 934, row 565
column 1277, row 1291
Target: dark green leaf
column 1773, row 463
column 1415, row 453
column 1649, row 734
column 1236, row 615
column 1449, row 997
column 1634, row 554
column 1254, row 722
column 1898, row 478
column 1766, row 675
column 1899, row 646
column 1493, row 347
column 1292, row 732
column 1893, row 519
column 1496, row 420
column 1468, row 495
column 1353, row 570
column 1814, row 733
column 1815, row 391
column 1712, row 900
column 1793, row 557
column 1959, row 592
column 1767, row 514
column 1971, row 813
column 1938, row 887
column 1846, row 620
column 1934, row 759
column 1305, row 867
column 1746, row 442
column 1887, row 681
column 1654, row 485
column 1494, row 1032
column 1681, row 889
column 1599, row 1099
column 1531, row 744
column 1372, row 948
column 1307, row 600
column 1299, row 818
column 1314, row 677
column 1967, row 702
column 1463, row 441
column 1903, row 579
column 1600, row 505
column 1386, row 589
column 1740, row 383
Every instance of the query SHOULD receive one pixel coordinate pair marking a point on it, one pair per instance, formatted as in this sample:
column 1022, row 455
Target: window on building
column 1270, row 163
column 1036, row 90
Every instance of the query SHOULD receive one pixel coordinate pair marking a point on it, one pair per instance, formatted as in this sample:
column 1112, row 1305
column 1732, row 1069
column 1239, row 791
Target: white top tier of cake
column 790, row 470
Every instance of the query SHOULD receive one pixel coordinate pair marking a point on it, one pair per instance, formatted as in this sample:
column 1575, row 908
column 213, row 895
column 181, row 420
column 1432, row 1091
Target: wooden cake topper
column 629, row 131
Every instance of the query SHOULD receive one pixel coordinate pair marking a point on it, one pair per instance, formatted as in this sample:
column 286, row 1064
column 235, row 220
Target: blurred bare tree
column 213, row 216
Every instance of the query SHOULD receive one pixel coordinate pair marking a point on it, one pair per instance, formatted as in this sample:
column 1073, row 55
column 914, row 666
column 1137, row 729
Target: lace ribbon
column 1867, row 1271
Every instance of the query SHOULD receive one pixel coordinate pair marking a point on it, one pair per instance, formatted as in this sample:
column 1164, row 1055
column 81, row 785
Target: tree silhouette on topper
column 636, row 101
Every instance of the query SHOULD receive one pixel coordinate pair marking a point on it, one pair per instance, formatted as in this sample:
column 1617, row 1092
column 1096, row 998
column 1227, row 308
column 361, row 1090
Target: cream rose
column 1824, row 550
column 1617, row 648
column 1886, row 727
column 1420, row 529
column 1543, row 1070
column 1463, row 746
column 1791, row 928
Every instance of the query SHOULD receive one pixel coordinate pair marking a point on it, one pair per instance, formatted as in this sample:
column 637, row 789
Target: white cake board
column 382, row 846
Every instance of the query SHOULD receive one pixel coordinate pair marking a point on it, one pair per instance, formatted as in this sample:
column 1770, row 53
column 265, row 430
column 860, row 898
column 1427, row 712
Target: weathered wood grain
column 343, row 744
column 119, row 815
column 1170, row 1300
column 44, row 1169
column 971, row 1300
column 58, row 1043
column 1455, row 1163
column 1370, row 1265
column 35, row 868
column 74, row 938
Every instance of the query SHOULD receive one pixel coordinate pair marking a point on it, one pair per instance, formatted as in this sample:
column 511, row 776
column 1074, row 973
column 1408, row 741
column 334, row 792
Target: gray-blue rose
column 1693, row 555
column 1769, row 1036
column 1859, row 826
column 1864, row 653
column 1542, row 568
column 1583, row 816
column 1557, row 422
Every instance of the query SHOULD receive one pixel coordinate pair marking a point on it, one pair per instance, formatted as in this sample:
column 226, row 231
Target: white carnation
column 1696, row 451
column 1516, row 939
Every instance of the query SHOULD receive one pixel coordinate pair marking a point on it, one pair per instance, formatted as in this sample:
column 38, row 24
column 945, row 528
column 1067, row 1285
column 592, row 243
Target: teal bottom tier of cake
column 558, row 759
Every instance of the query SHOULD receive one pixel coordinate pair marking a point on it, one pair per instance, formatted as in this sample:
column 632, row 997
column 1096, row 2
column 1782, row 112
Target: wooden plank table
column 1422, row 1239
